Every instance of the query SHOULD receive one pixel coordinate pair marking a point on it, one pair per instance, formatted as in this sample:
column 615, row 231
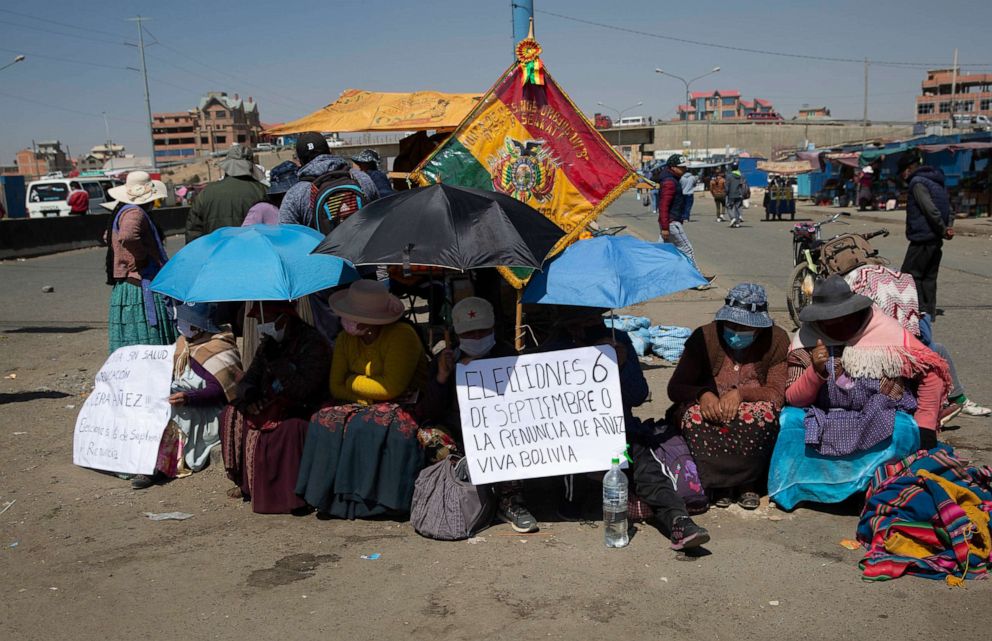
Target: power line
column 61, row 33
column 45, row 56
column 61, row 24
column 763, row 52
column 66, row 109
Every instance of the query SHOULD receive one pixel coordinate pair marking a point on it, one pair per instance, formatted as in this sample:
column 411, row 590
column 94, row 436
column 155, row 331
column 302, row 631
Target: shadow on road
column 23, row 397
column 46, row 329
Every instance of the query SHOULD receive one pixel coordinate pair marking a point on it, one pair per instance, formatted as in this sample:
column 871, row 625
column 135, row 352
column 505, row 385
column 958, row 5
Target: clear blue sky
column 294, row 57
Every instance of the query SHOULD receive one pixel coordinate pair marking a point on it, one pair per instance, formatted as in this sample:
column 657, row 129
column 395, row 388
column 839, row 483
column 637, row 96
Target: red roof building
column 722, row 105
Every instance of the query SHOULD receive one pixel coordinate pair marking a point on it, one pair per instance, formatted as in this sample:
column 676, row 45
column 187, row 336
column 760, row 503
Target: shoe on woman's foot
column 749, row 500
column 686, row 534
column 971, row 408
column 722, row 499
column 142, row 482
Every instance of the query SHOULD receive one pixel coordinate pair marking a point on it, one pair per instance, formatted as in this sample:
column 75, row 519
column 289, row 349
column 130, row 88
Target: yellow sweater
column 377, row 372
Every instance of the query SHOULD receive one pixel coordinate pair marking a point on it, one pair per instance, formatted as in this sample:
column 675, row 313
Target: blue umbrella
column 612, row 272
column 258, row 262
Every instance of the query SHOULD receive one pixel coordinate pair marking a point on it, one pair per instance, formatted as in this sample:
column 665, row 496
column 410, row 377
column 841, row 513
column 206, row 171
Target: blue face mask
column 738, row 340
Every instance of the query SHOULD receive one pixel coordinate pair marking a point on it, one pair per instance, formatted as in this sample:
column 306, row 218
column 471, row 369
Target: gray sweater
column 295, row 208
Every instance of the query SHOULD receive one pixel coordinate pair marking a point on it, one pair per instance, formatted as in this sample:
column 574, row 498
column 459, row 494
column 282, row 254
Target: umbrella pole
column 518, row 341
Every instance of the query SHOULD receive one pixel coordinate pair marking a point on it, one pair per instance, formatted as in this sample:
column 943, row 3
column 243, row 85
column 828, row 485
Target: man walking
column 718, row 189
column 688, row 183
column 737, row 192
column 671, row 207
column 225, row 203
column 928, row 224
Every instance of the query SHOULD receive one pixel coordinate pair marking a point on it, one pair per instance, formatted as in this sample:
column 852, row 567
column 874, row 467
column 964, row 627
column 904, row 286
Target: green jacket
column 222, row 204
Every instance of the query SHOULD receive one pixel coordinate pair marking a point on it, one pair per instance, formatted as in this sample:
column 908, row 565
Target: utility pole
column 864, row 120
column 954, row 88
column 144, row 73
column 106, row 126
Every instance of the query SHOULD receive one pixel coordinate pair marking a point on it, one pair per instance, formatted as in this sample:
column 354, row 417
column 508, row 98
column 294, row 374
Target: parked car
column 265, row 146
column 49, row 196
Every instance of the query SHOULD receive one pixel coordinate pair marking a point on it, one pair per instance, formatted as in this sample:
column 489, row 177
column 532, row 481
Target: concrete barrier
column 25, row 237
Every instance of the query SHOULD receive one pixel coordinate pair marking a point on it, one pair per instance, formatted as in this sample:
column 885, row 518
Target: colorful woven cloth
column 927, row 515
column 893, row 292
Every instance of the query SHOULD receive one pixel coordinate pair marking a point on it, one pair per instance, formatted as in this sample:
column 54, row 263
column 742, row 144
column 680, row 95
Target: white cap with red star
column 472, row 313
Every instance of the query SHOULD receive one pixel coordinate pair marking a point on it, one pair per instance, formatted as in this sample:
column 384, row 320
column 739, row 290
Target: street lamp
column 620, row 113
column 687, row 83
column 18, row 58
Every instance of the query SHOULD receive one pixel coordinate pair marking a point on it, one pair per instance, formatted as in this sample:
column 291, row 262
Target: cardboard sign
column 541, row 414
column 120, row 425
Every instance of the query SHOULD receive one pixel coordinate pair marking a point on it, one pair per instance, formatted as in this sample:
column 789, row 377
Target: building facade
column 218, row 122
column 943, row 94
column 723, row 104
column 813, row 113
column 45, row 158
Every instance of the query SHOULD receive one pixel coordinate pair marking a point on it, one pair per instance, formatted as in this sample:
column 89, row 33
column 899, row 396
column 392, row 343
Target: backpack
column 333, row 197
column 446, row 506
column 844, row 253
column 672, row 453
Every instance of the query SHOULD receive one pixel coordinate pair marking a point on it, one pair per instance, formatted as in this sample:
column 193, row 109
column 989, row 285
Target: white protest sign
column 121, row 424
column 541, row 414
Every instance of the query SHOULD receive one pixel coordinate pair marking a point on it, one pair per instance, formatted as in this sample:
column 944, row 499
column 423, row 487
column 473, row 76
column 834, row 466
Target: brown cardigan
column 704, row 355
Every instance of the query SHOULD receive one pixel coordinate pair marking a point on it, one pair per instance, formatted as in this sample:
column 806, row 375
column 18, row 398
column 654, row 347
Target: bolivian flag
column 527, row 139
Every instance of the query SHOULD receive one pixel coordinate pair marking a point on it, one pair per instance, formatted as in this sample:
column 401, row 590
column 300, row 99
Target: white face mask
column 269, row 329
column 476, row 347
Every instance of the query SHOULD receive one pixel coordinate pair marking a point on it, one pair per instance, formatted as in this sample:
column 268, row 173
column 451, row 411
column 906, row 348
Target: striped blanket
column 927, row 515
column 893, row 292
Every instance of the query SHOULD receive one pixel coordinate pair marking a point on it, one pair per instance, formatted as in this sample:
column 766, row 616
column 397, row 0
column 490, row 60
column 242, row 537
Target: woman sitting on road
column 263, row 430
column 728, row 388
column 855, row 375
column 362, row 455
column 206, row 371
column 138, row 316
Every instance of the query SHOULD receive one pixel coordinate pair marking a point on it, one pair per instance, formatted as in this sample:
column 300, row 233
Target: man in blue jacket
column 928, row 224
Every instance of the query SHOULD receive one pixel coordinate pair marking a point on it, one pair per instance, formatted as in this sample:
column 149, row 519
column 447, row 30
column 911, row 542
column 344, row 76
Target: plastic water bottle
column 615, row 506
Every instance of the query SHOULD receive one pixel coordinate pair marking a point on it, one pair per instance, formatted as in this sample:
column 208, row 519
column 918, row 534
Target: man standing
column 368, row 161
column 928, row 224
column 718, row 189
column 671, row 207
column 316, row 161
column 737, row 192
column 226, row 202
column 688, row 183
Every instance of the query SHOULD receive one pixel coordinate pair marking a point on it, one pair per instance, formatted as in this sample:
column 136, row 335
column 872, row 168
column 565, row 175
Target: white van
column 632, row 121
column 48, row 197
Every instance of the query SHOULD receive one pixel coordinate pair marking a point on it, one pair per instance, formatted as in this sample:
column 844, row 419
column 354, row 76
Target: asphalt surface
column 79, row 560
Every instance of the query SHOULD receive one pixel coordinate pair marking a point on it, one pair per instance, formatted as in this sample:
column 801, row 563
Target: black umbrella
column 444, row 226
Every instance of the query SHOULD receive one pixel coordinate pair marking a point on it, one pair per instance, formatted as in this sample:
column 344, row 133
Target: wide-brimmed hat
column 746, row 304
column 139, row 189
column 368, row 156
column 238, row 162
column 471, row 314
column 833, row 298
column 367, row 301
column 199, row 315
column 282, row 177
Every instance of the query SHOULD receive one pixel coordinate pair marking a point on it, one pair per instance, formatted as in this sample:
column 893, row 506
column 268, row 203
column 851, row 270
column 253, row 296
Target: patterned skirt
column 262, row 457
column 127, row 323
column 736, row 454
column 360, row 461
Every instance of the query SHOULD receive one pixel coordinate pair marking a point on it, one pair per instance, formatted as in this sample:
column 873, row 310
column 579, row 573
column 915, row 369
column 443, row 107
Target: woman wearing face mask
column 728, row 388
column 263, row 431
column 361, row 455
column 437, row 410
column 855, row 376
column 206, row 369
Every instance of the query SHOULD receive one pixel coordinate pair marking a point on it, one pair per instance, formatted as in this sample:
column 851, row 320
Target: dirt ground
column 81, row 561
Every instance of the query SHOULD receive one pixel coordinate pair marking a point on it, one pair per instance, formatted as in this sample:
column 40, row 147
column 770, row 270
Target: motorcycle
column 807, row 255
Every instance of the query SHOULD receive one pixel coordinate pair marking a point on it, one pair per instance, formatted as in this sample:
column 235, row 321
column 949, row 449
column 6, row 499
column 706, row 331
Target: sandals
column 722, row 500
column 749, row 500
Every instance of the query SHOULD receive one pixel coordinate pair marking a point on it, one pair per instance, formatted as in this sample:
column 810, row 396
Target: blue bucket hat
column 282, row 177
column 200, row 315
column 746, row 304
column 368, row 156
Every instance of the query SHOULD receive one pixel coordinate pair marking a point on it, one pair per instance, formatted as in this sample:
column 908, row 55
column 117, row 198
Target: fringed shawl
column 217, row 353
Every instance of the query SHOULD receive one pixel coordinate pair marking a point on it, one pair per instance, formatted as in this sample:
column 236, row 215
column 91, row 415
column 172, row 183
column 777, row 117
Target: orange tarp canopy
column 359, row 110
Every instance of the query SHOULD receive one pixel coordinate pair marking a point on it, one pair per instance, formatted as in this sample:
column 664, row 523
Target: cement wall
column 763, row 139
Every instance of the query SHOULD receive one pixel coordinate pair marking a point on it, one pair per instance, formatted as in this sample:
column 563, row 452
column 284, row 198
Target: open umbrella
column 612, row 272
column 258, row 262
column 445, row 226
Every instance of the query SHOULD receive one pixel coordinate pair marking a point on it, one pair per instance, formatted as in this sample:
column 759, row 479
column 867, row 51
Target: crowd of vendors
column 334, row 403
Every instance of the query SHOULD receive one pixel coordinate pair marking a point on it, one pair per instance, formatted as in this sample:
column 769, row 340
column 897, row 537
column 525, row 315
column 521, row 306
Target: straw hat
column 139, row 189
column 367, row 301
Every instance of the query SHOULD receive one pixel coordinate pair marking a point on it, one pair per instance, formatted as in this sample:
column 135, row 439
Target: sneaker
column 518, row 516
column 686, row 534
column 971, row 408
column 949, row 412
column 709, row 284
